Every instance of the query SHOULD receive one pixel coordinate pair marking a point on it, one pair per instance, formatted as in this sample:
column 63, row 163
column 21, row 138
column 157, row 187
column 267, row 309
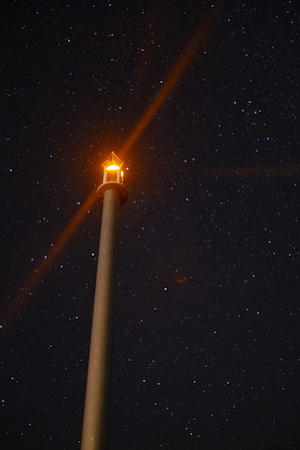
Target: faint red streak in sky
column 192, row 48
column 184, row 61
column 18, row 302
column 244, row 170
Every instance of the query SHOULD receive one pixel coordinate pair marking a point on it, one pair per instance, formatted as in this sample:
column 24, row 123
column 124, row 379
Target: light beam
column 193, row 47
column 17, row 303
column 195, row 44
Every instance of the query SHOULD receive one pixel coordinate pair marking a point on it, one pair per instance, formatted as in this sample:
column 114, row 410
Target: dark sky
column 207, row 310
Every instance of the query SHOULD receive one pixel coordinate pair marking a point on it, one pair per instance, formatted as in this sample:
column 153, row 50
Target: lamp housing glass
column 113, row 170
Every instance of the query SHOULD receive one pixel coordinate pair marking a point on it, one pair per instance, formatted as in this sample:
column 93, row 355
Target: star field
column 207, row 312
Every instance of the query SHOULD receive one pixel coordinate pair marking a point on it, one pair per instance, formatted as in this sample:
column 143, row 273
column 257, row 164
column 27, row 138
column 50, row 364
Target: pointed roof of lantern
column 113, row 162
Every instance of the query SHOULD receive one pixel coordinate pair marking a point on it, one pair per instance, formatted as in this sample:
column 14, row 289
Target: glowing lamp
column 113, row 178
column 112, row 169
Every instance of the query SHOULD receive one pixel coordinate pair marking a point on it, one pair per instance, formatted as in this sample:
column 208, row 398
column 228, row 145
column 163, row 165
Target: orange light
column 181, row 280
column 113, row 167
column 113, row 163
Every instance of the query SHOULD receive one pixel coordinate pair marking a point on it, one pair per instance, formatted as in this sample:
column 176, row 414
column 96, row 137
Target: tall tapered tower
column 97, row 401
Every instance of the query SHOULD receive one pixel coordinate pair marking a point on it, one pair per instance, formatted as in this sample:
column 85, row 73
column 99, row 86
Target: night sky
column 207, row 310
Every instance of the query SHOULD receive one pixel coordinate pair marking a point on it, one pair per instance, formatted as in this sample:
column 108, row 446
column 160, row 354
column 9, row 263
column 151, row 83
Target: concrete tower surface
column 97, row 401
